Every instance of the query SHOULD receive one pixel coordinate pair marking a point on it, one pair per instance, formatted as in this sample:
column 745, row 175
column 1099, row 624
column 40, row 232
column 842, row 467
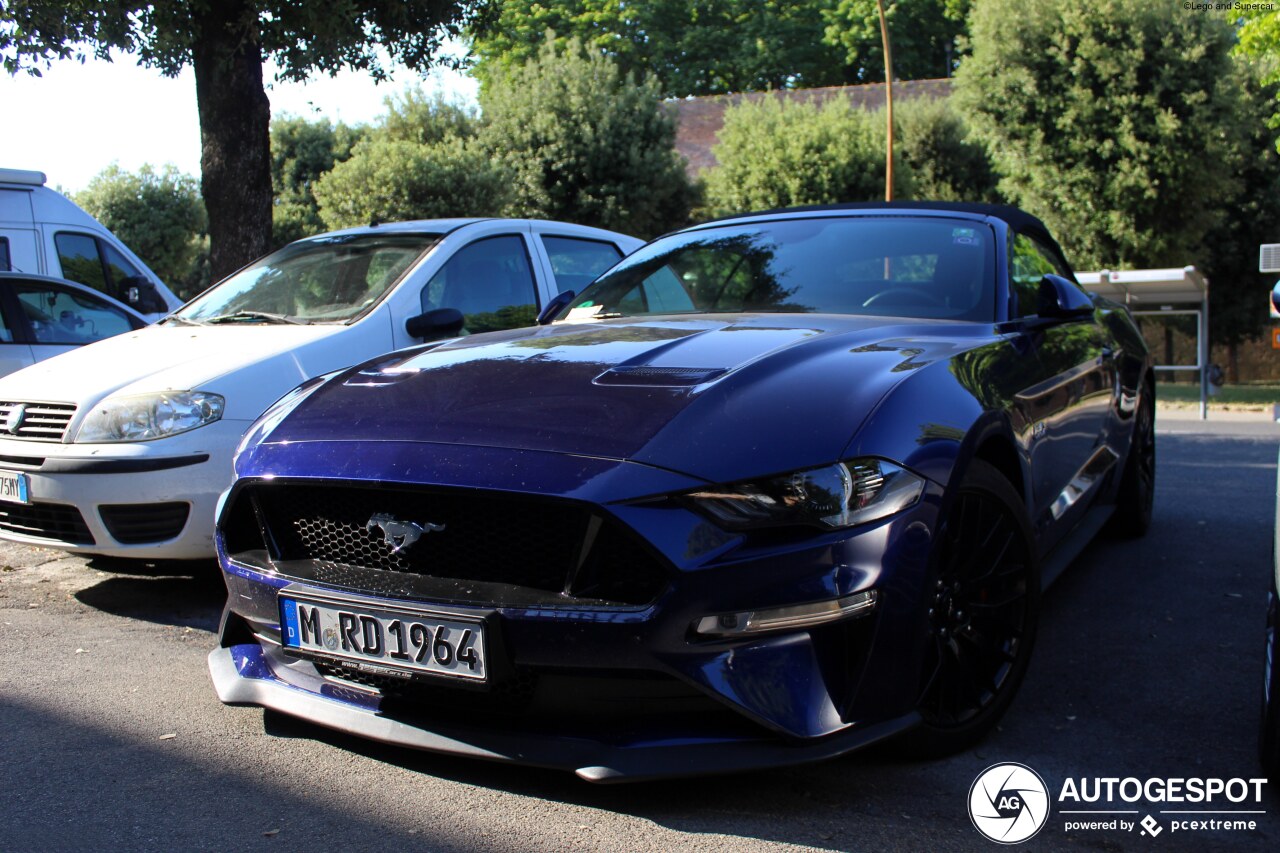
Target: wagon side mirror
column 432, row 325
column 1060, row 299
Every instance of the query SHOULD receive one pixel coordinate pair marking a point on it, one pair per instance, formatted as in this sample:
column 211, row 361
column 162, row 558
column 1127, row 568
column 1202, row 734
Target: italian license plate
column 403, row 640
column 14, row 487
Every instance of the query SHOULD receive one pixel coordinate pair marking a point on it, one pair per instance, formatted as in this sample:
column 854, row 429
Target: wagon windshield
column 926, row 267
column 326, row 280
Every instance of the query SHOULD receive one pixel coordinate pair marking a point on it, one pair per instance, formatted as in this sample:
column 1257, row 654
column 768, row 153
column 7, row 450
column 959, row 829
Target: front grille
column 138, row 524
column 490, row 540
column 58, row 522
column 39, row 421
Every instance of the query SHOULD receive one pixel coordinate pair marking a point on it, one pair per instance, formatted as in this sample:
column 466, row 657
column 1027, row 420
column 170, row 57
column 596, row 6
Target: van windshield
column 330, row 280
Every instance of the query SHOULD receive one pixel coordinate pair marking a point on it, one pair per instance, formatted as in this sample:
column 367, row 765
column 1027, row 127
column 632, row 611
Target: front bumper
column 160, row 496
column 687, row 703
column 251, row 675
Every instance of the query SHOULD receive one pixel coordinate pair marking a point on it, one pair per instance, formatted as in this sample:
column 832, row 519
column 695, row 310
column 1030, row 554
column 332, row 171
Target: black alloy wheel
column 1138, row 483
column 983, row 605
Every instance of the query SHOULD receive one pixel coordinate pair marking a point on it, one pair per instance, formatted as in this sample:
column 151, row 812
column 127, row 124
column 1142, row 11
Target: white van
column 43, row 232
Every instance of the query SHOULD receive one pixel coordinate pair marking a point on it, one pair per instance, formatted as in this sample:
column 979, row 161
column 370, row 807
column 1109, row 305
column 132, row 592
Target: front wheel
column 1138, row 482
column 983, row 604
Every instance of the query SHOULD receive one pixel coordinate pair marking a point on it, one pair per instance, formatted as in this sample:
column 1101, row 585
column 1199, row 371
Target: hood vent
column 659, row 377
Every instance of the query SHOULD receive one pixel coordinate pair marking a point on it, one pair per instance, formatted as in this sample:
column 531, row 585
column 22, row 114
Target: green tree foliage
column 923, row 36
column 1259, row 40
column 159, row 216
column 420, row 162
column 945, row 163
column 302, row 151
column 780, row 153
column 226, row 44
column 389, row 179
column 1115, row 124
column 1238, row 292
column 586, row 143
column 693, row 47
column 415, row 116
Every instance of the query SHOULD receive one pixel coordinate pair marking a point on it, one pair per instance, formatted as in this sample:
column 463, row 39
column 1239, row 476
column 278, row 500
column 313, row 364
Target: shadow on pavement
column 187, row 594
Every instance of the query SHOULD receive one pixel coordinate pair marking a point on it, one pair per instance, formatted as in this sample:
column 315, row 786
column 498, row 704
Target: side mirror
column 142, row 295
column 440, row 323
column 552, row 308
column 1059, row 299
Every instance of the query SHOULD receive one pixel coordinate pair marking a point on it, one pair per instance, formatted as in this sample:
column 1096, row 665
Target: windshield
column 330, row 280
column 898, row 266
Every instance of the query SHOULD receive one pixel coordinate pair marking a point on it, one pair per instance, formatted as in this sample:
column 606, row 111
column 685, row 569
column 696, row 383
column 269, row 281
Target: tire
column 1269, row 735
column 1137, row 492
column 983, row 606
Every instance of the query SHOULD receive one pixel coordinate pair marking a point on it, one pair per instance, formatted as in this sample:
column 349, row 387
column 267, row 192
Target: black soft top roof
column 1016, row 217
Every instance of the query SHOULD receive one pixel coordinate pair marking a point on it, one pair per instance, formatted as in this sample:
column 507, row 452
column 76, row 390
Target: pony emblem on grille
column 400, row 535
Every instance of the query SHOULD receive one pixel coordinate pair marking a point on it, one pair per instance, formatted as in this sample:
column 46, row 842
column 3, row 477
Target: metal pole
column 1204, row 355
column 888, row 99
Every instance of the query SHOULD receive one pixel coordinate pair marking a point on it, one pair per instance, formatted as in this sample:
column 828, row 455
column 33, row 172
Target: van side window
column 118, row 266
column 78, row 255
column 5, row 264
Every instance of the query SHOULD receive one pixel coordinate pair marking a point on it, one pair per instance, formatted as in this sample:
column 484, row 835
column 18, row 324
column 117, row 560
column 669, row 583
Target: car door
column 575, row 262
column 15, row 353
column 59, row 317
column 490, row 280
column 1069, row 407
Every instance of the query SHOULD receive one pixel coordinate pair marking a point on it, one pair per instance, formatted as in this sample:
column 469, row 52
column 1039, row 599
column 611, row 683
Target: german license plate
column 378, row 638
column 14, row 487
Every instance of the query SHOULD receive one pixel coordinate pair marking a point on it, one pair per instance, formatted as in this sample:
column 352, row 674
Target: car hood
column 169, row 357
column 717, row 397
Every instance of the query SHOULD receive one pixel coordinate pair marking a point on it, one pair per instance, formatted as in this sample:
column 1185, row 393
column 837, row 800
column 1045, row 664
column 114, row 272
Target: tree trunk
column 235, row 147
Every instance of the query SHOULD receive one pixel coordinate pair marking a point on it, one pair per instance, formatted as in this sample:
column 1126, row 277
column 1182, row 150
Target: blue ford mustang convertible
column 771, row 489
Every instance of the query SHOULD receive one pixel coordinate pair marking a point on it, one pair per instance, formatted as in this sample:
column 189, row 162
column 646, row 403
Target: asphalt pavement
column 1148, row 666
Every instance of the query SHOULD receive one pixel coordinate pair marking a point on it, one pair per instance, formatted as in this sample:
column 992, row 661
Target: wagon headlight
column 840, row 495
column 144, row 417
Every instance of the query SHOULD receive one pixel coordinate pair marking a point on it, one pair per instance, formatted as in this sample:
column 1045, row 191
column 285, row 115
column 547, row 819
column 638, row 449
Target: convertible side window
column 490, row 281
column 1028, row 263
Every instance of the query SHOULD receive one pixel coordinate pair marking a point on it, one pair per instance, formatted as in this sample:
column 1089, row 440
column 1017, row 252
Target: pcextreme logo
column 1008, row 803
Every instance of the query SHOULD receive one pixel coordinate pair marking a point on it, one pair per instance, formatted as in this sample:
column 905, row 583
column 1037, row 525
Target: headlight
column 144, row 417
column 839, row 495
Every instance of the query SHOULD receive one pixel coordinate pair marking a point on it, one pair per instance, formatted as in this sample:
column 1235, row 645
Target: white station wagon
column 122, row 447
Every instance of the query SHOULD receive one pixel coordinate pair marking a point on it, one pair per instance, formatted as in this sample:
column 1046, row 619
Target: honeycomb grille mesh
column 465, row 536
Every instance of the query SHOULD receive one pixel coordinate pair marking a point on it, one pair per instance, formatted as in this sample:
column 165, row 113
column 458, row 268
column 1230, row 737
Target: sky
column 76, row 119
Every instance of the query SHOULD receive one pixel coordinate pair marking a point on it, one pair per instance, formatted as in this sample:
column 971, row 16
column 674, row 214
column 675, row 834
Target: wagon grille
column 39, row 421
column 57, row 522
column 492, row 541
column 139, row 524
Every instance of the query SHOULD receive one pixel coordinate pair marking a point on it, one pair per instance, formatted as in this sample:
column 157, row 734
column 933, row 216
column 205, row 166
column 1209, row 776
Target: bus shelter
column 1166, row 292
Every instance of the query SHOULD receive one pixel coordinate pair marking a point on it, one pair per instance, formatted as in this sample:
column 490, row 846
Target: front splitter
column 246, row 675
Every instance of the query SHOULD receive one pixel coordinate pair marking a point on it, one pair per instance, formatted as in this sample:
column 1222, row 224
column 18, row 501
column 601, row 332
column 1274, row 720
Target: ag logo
column 1008, row 803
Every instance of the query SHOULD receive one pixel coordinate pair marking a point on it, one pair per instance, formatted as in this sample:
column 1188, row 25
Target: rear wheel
column 1138, row 482
column 983, row 604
